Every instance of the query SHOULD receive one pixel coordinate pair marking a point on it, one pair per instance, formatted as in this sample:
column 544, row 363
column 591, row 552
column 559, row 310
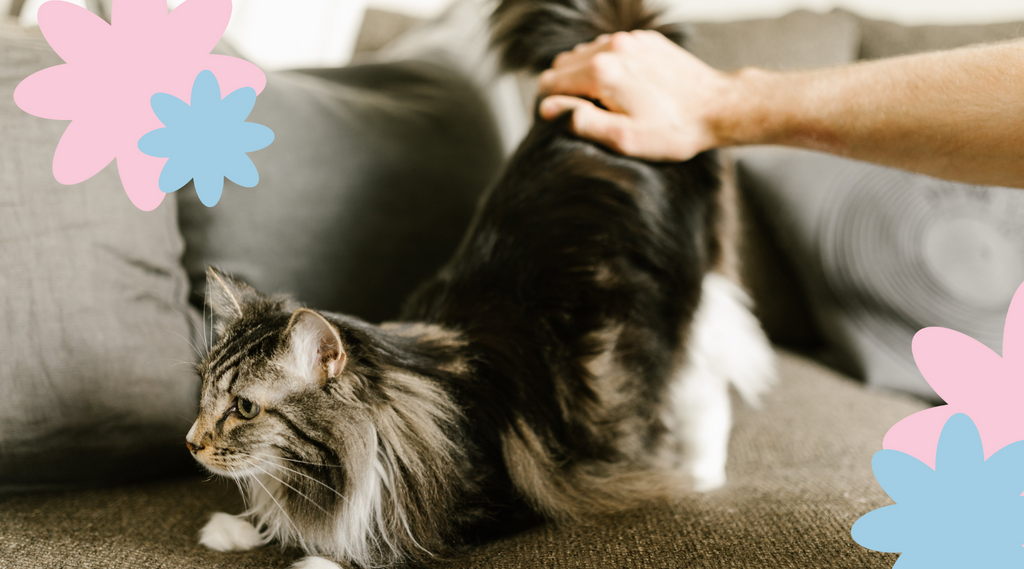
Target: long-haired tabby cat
column 573, row 358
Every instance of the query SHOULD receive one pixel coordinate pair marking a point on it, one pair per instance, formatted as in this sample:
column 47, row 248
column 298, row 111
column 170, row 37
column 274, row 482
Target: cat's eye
column 246, row 408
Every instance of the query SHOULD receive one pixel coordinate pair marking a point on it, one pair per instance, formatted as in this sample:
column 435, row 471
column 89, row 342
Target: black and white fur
column 573, row 358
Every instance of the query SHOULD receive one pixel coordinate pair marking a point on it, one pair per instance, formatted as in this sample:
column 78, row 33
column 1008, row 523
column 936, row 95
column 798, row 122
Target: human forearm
column 957, row 114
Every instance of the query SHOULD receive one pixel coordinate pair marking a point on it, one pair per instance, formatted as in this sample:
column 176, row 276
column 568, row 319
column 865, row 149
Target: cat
column 572, row 359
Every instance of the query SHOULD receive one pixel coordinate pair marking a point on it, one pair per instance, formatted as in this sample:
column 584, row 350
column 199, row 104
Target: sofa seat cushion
column 800, row 475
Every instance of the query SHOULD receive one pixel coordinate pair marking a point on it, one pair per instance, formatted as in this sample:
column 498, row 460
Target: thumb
column 588, row 120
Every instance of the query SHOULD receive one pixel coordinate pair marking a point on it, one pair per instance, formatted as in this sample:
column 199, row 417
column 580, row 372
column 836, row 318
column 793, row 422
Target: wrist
column 741, row 115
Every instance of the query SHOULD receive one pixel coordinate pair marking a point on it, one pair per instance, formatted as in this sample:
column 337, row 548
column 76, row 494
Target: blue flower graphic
column 968, row 512
column 206, row 141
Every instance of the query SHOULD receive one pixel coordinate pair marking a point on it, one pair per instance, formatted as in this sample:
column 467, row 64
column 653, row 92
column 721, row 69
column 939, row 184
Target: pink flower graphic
column 109, row 75
column 972, row 379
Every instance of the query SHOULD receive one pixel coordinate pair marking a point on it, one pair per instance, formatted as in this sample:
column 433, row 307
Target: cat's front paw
column 225, row 532
column 315, row 563
column 708, row 479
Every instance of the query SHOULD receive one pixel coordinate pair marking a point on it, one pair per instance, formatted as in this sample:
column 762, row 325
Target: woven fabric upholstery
column 800, row 467
column 94, row 319
column 800, row 475
column 372, row 178
column 884, row 39
column 884, row 253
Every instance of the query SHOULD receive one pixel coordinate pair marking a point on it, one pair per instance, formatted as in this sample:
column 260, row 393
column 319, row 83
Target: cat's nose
column 193, row 448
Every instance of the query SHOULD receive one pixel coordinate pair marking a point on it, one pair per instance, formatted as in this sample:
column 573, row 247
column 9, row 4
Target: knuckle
column 621, row 41
column 649, row 36
column 604, row 66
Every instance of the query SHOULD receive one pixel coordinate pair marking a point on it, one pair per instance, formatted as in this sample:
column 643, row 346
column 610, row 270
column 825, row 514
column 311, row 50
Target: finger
column 589, row 121
column 576, row 80
column 583, row 51
column 552, row 107
column 599, row 125
column 603, row 78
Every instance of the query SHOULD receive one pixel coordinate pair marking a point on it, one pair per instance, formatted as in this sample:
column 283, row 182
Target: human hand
column 662, row 102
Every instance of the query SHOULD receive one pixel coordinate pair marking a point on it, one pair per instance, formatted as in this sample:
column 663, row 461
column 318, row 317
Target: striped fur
column 360, row 467
column 572, row 359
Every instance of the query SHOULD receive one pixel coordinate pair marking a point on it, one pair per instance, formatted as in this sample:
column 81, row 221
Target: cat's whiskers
column 245, row 487
column 287, row 517
column 206, row 342
column 264, row 460
column 190, row 343
column 245, row 499
column 305, row 462
column 177, row 361
column 294, row 489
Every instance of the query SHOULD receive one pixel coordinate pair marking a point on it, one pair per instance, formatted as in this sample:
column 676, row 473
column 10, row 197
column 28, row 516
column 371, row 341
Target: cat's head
column 272, row 385
column 326, row 418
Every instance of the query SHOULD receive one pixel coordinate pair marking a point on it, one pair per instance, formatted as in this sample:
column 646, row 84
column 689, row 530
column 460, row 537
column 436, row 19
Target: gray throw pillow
column 96, row 377
column 798, row 40
column 882, row 253
column 370, row 182
column 885, row 39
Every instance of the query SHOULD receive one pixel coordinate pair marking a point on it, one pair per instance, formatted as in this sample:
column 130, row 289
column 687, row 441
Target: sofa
column 799, row 465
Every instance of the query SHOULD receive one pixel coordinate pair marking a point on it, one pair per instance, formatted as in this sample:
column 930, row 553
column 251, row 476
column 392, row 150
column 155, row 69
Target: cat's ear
column 227, row 296
column 315, row 344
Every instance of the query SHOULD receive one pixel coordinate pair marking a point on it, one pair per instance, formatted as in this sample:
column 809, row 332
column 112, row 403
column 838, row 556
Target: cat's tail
column 528, row 34
column 579, row 492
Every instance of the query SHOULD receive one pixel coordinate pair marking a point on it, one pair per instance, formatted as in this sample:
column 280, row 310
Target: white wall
column 312, row 33
column 29, row 9
column 299, row 33
column 419, row 8
column 272, row 33
column 903, row 11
